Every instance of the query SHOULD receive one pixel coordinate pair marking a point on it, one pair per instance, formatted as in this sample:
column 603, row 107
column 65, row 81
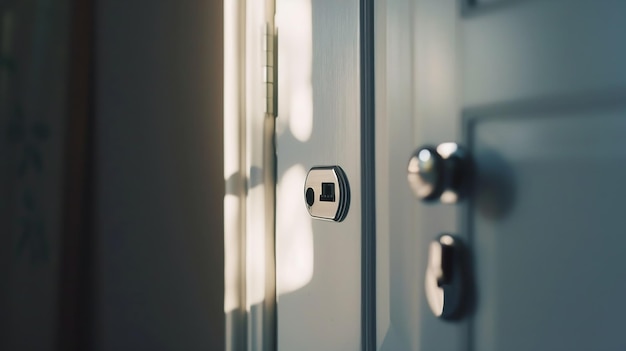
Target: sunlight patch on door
column 232, row 151
column 294, row 233
column 232, row 276
column 295, row 58
column 256, row 243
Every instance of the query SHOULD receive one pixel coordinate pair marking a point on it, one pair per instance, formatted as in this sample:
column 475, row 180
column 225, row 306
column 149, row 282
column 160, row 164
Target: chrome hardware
column 327, row 193
column 445, row 282
column 440, row 173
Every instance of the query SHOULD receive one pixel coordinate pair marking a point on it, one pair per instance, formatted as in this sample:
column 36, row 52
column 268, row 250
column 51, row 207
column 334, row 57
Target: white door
column 318, row 262
column 536, row 92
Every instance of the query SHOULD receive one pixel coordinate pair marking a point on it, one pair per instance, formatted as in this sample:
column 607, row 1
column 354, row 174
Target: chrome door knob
column 439, row 173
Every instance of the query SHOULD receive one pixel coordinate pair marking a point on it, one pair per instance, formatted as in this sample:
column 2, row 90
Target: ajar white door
column 535, row 91
column 318, row 262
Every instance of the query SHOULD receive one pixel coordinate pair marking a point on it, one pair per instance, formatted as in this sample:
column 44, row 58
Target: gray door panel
column 536, row 89
column 538, row 48
column 545, row 216
column 547, row 230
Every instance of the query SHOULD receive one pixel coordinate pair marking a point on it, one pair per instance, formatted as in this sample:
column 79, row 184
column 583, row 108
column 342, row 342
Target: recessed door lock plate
column 327, row 193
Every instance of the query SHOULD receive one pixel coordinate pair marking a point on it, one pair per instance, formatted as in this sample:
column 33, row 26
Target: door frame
column 246, row 328
column 249, row 175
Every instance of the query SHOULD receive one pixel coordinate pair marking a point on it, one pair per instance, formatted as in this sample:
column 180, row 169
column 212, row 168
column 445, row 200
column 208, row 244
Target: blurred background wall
column 123, row 147
column 159, row 175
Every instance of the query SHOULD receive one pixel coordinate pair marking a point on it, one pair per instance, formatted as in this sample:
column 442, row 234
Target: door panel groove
column 539, row 107
column 471, row 8
column 368, row 198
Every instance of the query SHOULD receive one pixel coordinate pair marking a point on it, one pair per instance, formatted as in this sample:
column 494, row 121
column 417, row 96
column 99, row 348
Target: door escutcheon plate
column 327, row 193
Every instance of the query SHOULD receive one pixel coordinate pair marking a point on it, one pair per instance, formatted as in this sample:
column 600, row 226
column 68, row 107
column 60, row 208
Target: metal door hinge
column 270, row 73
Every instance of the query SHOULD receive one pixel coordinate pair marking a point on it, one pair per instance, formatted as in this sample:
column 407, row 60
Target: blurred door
column 536, row 92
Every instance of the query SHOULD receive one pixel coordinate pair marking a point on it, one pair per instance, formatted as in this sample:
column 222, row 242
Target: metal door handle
column 439, row 173
column 445, row 282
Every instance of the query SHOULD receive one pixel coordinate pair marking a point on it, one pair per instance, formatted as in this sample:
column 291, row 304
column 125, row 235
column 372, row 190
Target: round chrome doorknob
column 425, row 174
column 439, row 173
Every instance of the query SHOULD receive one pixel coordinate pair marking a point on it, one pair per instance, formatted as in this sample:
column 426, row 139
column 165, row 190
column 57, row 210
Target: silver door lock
column 446, row 278
column 327, row 193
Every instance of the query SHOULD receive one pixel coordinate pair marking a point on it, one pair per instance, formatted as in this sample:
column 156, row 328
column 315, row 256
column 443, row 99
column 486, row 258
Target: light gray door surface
column 536, row 92
column 318, row 262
